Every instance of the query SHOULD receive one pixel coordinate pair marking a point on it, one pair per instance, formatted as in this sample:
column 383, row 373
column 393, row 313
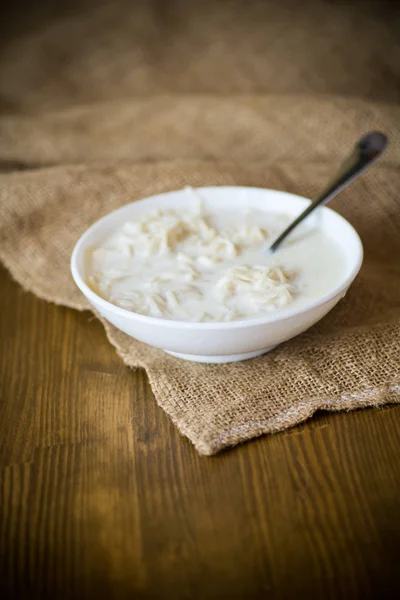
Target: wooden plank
column 101, row 496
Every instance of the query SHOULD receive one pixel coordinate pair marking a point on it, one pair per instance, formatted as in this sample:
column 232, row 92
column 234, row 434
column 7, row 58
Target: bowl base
column 227, row 358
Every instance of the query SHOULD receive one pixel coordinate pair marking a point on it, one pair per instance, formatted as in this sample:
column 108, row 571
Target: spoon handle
column 367, row 151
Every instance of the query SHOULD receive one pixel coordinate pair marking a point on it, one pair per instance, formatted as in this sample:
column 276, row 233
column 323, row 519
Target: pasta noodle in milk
column 191, row 265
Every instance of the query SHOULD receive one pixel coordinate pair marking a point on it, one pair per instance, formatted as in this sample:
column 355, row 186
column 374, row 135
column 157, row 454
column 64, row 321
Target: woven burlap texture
column 99, row 50
column 349, row 360
column 119, row 100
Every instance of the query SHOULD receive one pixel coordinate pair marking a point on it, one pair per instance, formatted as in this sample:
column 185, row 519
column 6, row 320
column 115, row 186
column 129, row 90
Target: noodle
column 192, row 265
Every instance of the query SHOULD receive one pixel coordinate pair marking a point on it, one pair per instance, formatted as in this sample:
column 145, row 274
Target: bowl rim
column 169, row 323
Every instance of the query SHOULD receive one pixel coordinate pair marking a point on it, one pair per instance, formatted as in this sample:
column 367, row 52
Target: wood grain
column 101, row 496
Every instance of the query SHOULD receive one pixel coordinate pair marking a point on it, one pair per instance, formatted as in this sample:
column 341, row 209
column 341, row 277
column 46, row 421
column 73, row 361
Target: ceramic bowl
column 228, row 341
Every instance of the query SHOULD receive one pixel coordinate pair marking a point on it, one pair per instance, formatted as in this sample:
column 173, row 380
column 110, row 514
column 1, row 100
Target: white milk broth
column 195, row 265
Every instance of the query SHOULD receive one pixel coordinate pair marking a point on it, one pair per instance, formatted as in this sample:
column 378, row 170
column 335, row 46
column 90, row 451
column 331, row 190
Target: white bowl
column 232, row 341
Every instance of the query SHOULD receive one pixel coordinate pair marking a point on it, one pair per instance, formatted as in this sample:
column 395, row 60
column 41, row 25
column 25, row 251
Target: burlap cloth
column 114, row 104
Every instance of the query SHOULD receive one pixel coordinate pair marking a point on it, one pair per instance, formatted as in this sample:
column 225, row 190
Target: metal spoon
column 367, row 151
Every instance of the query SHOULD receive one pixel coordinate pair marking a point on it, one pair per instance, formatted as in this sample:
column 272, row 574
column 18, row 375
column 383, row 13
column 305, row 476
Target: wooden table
column 102, row 498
